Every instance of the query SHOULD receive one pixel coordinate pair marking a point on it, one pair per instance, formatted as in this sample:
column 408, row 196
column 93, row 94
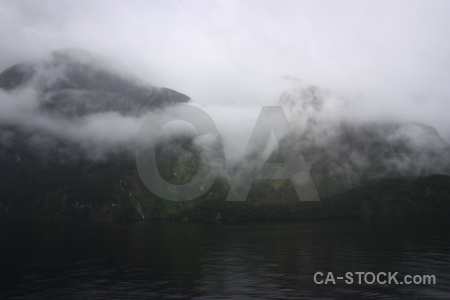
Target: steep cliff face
column 67, row 130
column 66, row 151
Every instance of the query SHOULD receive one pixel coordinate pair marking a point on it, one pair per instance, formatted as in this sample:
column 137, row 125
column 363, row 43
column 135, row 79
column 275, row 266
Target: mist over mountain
column 70, row 123
column 342, row 149
column 224, row 149
column 67, row 130
column 74, row 102
column 74, row 83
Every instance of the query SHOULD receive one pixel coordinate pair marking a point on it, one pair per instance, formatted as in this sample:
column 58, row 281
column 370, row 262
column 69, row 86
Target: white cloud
column 233, row 53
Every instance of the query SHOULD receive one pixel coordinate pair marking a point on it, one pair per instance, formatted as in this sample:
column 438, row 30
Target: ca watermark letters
column 271, row 120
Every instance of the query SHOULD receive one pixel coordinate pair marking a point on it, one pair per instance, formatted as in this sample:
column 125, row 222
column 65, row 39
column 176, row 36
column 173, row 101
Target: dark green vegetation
column 53, row 168
column 34, row 191
column 37, row 188
column 381, row 198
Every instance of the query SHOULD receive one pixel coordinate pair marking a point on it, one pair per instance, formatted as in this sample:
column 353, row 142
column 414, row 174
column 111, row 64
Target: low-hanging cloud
column 234, row 52
column 380, row 61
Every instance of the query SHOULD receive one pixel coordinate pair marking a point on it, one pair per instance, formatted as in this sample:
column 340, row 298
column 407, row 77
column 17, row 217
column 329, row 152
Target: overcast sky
column 233, row 53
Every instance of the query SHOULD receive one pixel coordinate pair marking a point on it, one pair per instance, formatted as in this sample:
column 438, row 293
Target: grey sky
column 234, row 53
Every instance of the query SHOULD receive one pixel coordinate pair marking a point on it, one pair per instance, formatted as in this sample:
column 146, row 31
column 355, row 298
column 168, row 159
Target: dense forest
column 67, row 154
column 113, row 192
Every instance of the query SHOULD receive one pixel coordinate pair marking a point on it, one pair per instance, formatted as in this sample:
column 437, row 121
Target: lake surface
column 221, row 261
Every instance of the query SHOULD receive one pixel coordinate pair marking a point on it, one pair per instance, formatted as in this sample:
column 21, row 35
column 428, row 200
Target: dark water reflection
column 238, row 261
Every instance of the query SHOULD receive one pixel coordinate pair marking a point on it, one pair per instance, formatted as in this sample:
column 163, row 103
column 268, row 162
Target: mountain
column 66, row 107
column 67, row 131
column 343, row 153
column 66, row 139
column 73, row 83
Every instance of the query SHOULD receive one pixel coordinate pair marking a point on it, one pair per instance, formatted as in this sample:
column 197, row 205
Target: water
column 226, row 261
